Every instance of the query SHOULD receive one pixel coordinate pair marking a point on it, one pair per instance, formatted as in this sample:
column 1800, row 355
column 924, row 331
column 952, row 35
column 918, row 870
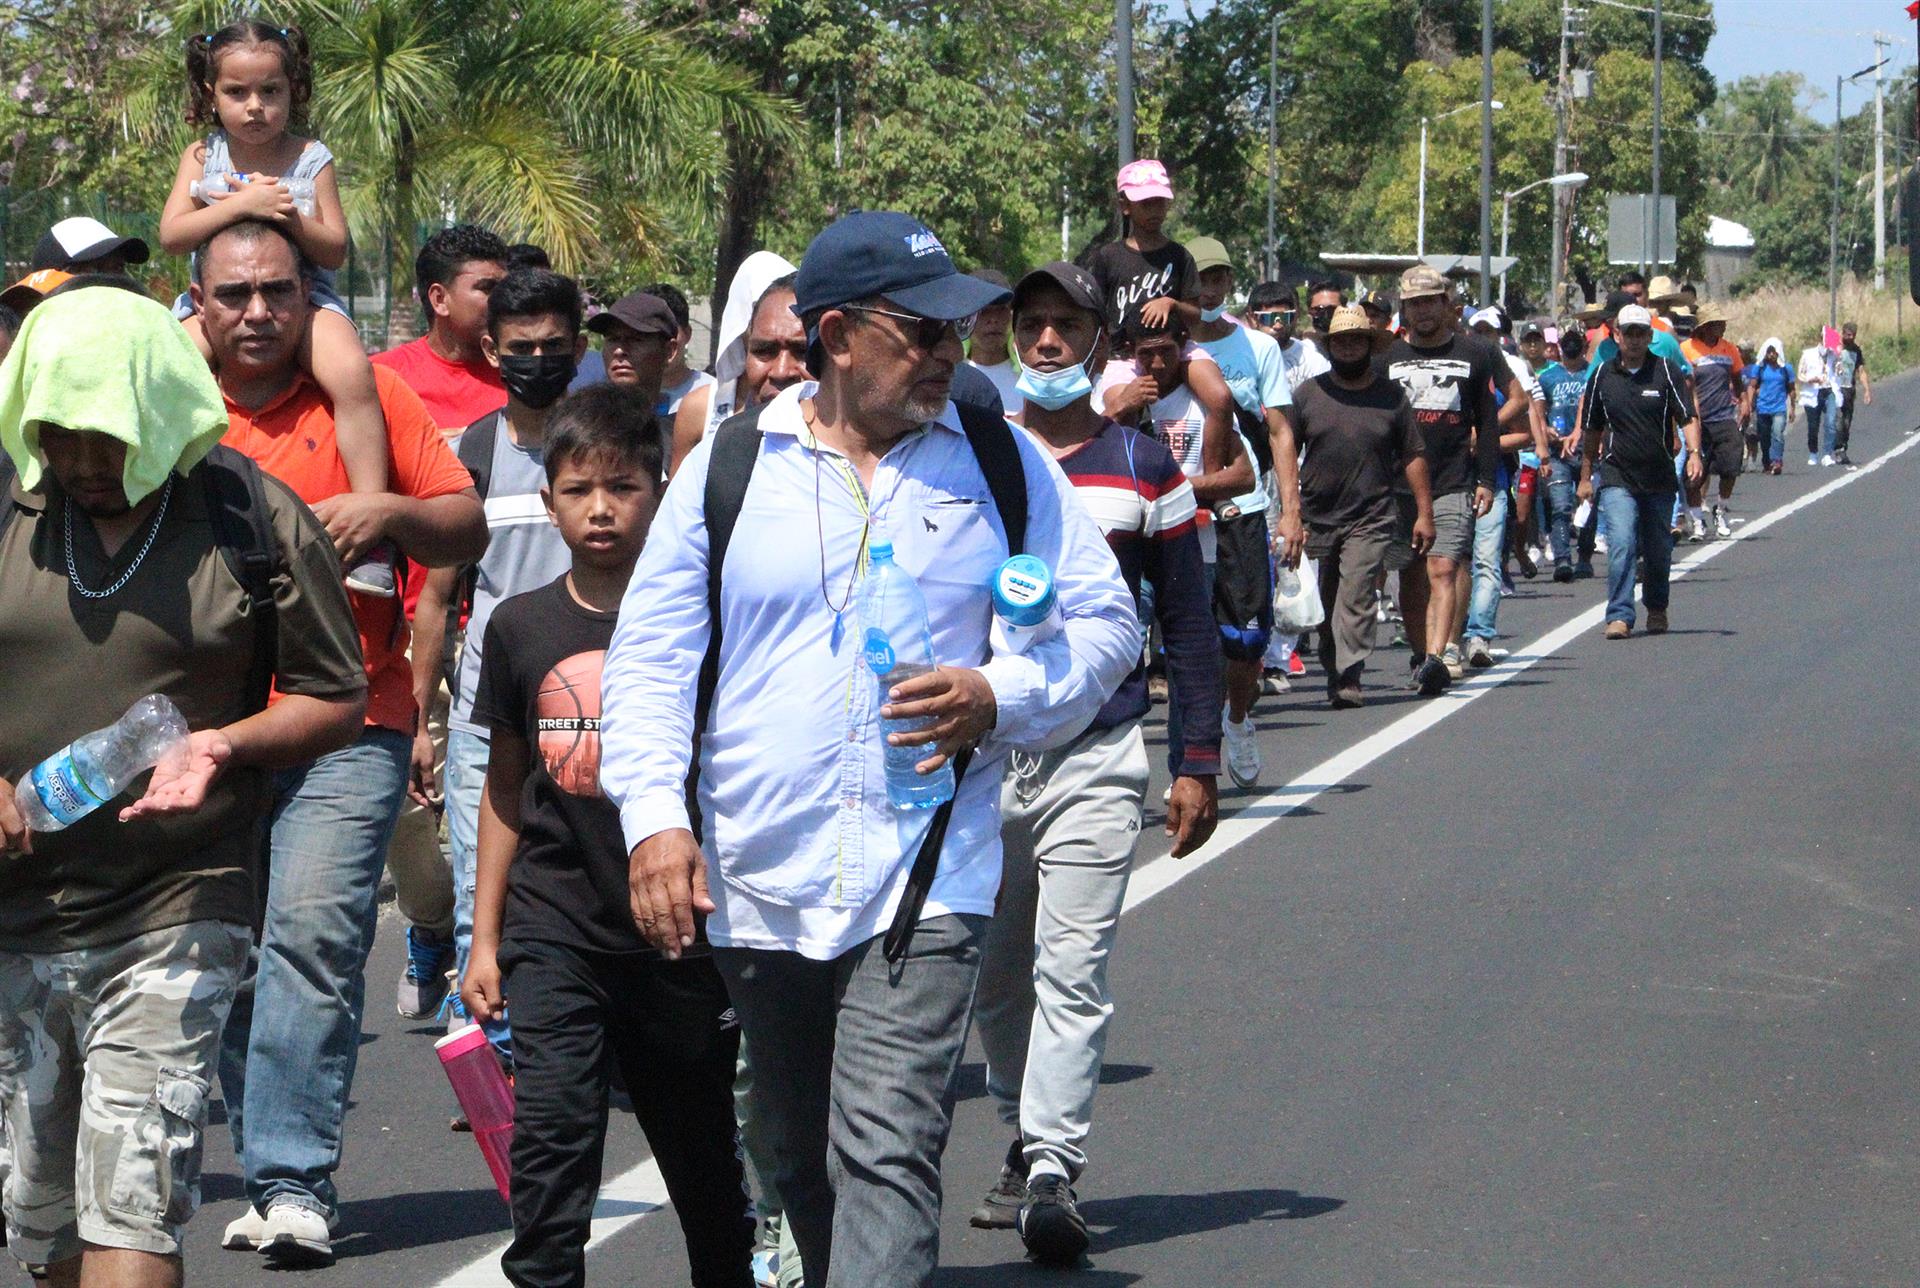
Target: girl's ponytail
column 200, row 80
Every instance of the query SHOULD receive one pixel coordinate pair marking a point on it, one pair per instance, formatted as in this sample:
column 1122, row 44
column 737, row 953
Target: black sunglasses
column 926, row 332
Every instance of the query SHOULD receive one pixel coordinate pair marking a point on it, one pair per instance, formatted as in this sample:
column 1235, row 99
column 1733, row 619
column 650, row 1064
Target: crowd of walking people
column 595, row 616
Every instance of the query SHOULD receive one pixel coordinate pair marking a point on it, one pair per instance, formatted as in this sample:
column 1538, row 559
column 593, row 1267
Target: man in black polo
column 1633, row 405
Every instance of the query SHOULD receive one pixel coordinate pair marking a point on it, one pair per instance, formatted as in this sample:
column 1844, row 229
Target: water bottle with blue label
column 898, row 645
column 88, row 772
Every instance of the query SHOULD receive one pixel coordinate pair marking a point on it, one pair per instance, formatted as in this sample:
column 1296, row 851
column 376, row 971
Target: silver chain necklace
column 153, row 530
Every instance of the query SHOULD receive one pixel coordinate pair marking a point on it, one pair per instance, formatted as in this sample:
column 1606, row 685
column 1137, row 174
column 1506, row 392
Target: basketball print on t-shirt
column 567, row 712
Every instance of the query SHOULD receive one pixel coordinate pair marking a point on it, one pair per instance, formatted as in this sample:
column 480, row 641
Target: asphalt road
column 1600, row 970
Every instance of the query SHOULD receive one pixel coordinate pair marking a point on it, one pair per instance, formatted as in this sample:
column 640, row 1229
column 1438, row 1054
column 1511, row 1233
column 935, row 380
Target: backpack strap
column 476, row 450
column 998, row 455
column 735, row 451
column 243, row 529
column 7, row 508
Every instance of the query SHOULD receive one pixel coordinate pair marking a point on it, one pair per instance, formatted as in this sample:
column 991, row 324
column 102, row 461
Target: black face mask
column 1322, row 317
column 537, row 380
column 1351, row 368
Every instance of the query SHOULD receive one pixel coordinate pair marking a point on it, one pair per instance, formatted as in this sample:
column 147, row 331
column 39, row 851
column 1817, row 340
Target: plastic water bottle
column 299, row 191
column 898, row 645
column 88, row 772
column 485, row 1097
column 1025, row 608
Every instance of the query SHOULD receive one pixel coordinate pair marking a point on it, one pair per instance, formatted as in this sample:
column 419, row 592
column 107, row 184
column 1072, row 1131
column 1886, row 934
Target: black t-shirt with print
column 1638, row 414
column 1451, row 388
column 540, row 681
column 1129, row 278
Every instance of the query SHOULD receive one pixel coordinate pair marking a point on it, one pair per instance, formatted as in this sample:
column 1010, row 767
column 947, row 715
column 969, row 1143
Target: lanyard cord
column 859, row 495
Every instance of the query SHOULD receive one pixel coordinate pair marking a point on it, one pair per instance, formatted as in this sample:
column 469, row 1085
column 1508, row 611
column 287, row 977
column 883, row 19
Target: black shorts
column 1723, row 450
column 1243, row 586
column 1400, row 549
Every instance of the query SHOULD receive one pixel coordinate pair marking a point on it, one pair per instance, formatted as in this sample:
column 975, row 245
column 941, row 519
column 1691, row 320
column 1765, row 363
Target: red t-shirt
column 455, row 394
column 292, row 438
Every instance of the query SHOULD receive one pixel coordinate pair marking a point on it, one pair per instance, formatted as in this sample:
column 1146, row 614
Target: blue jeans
column 1823, row 422
column 1562, row 477
column 293, row 1038
column 1773, row 436
column 1489, row 552
column 1638, row 524
column 465, row 779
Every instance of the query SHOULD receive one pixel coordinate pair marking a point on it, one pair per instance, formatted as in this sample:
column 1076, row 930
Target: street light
column 1571, row 179
column 1420, row 236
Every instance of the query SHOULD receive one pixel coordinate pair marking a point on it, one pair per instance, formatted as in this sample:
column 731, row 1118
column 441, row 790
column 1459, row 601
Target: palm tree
column 1767, row 143
column 571, row 123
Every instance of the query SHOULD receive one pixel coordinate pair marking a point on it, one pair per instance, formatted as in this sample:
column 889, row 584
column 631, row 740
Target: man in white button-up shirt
column 803, row 859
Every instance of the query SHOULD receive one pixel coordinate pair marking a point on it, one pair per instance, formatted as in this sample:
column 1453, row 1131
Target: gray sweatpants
column 1069, row 829
column 1350, row 558
column 858, row 1059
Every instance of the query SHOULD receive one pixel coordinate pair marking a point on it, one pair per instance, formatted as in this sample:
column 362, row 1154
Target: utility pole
column 1651, row 246
column 1123, row 60
column 1273, row 172
column 1556, row 257
column 1880, row 44
column 1833, row 221
column 1486, row 149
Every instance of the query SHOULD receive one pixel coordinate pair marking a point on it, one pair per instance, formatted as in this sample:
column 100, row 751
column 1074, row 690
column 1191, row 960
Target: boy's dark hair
column 203, row 65
column 1137, row 332
column 527, row 255
column 676, row 301
column 1327, row 284
column 1632, row 277
column 534, row 292
column 604, row 420
column 1272, row 295
column 448, row 251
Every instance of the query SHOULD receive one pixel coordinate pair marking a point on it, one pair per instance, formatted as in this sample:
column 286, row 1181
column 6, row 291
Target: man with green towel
column 125, row 934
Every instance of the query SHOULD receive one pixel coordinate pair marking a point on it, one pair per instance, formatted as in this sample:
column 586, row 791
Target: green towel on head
column 108, row 360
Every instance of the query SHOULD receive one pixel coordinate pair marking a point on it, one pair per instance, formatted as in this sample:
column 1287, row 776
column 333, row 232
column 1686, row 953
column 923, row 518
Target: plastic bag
column 1296, row 598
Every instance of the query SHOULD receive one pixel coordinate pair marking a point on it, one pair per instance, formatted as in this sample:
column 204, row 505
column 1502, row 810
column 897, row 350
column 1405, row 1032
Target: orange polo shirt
column 292, row 438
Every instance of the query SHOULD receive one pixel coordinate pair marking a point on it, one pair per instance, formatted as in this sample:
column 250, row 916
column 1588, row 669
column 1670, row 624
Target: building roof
column 1724, row 234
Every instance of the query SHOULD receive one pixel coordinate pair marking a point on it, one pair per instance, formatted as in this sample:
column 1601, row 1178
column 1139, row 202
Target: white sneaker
column 296, row 1235
column 1600, row 543
column 244, row 1233
column 1242, row 748
column 1698, row 531
column 1455, row 664
column 1812, row 459
column 1827, row 459
column 1720, row 526
column 1479, row 652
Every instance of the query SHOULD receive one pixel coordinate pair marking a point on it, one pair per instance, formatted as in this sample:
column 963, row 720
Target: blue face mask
column 1055, row 389
column 1213, row 315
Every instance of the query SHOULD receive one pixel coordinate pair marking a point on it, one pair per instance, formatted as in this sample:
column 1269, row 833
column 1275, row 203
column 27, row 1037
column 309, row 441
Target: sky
column 1820, row 39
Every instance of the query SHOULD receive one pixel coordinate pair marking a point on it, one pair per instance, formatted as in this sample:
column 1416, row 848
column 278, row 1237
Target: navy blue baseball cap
column 881, row 252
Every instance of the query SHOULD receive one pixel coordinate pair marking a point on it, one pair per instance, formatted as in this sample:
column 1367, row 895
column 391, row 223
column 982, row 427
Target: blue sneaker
column 423, row 984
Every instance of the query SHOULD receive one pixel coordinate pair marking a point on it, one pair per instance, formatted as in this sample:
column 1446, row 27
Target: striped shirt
column 1141, row 500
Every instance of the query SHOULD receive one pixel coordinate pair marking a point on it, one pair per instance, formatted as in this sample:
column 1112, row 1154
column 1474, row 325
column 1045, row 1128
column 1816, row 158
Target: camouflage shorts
column 106, row 1056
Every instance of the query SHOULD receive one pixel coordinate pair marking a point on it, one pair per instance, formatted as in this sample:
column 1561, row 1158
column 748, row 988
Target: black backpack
column 735, row 452
column 243, row 530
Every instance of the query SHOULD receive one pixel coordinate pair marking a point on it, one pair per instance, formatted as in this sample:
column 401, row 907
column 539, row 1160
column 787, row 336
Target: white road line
column 634, row 1193
column 640, row 1190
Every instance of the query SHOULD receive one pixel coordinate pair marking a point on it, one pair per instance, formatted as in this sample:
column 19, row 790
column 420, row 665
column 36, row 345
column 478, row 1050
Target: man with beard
column 1449, row 377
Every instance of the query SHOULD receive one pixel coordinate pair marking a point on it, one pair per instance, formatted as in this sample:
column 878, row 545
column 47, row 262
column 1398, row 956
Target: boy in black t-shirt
column 552, row 924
